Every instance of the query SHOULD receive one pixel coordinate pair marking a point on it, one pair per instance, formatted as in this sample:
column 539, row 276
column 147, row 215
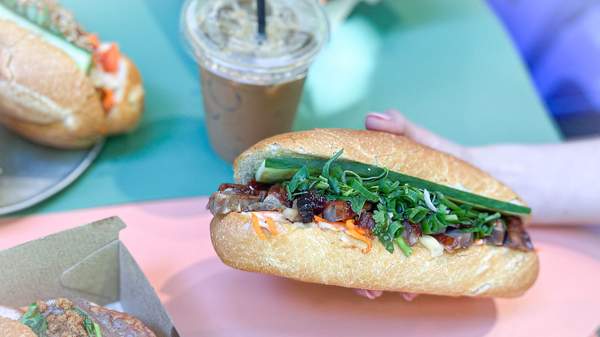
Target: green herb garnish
column 371, row 175
column 91, row 327
column 34, row 319
column 38, row 18
column 397, row 200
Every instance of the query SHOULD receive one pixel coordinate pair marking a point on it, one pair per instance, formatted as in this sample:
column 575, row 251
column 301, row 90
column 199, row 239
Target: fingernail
column 380, row 116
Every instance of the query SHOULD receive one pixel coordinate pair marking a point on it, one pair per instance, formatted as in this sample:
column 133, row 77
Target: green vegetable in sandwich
column 394, row 200
column 53, row 24
column 397, row 198
column 34, row 319
column 63, row 317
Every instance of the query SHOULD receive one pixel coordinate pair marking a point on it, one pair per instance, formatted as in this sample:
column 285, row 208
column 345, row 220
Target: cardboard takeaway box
column 87, row 262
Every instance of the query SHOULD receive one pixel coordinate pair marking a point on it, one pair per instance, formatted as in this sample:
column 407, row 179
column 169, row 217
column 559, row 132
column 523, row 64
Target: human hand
column 393, row 121
column 374, row 294
column 526, row 168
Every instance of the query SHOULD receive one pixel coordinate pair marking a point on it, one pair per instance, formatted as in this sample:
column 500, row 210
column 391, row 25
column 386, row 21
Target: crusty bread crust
column 10, row 328
column 43, row 95
column 321, row 256
column 46, row 98
column 397, row 153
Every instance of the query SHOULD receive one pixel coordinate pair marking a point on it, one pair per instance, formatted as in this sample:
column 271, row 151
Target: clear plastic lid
column 223, row 37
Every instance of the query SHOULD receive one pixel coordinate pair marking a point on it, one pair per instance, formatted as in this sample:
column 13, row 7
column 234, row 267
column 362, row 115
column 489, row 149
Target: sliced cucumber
column 283, row 168
column 271, row 174
column 82, row 57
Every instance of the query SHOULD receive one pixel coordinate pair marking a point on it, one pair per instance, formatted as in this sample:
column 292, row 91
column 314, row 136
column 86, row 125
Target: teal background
column 448, row 65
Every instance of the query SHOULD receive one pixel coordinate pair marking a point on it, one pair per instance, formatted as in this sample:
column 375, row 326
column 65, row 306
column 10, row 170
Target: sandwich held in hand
column 59, row 85
column 65, row 318
column 371, row 210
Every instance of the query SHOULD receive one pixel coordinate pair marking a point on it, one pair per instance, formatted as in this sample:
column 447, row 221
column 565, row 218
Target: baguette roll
column 46, row 98
column 315, row 253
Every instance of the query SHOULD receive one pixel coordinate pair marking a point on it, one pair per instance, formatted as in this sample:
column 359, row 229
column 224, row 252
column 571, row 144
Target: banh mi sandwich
column 59, row 85
column 69, row 318
column 372, row 211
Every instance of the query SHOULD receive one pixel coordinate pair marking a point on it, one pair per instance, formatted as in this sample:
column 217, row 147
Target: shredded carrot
column 362, row 238
column 109, row 59
column 256, row 227
column 272, row 227
column 361, row 231
column 319, row 219
column 351, row 229
column 108, row 99
column 337, row 224
column 350, row 224
column 93, row 40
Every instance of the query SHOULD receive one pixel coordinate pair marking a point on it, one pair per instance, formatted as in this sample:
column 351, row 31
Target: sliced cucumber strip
column 283, row 168
column 82, row 57
column 264, row 174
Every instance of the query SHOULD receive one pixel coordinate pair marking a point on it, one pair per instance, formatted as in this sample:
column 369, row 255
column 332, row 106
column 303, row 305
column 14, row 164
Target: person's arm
column 561, row 182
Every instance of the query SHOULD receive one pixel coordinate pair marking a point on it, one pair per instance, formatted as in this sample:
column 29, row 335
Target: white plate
column 32, row 173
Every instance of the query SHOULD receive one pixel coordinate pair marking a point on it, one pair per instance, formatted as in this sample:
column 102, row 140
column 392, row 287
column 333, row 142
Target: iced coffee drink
column 251, row 84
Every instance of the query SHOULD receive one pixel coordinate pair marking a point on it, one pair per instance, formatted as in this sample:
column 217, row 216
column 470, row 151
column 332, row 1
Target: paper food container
column 88, row 262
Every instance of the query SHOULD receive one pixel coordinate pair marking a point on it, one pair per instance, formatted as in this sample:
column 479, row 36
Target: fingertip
column 379, row 116
column 396, row 115
column 373, row 123
column 386, row 124
column 376, row 121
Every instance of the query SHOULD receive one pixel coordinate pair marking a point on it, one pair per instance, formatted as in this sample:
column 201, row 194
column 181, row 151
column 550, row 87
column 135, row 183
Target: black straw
column 262, row 20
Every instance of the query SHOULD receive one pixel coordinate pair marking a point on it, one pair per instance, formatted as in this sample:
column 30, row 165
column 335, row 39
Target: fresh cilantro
column 379, row 215
column 327, row 165
column 34, row 319
column 91, row 327
column 363, row 191
column 334, row 184
column 298, row 178
column 357, row 203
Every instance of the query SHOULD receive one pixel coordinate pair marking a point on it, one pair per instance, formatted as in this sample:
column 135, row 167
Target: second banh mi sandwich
column 60, row 85
column 64, row 317
column 371, row 210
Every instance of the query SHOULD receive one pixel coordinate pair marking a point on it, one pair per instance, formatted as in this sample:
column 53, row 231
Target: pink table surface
column 170, row 241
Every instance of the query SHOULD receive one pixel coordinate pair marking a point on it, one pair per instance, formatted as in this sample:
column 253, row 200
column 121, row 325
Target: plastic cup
column 251, row 86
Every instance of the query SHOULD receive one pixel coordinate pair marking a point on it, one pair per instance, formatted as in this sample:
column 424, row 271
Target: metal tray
column 30, row 174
